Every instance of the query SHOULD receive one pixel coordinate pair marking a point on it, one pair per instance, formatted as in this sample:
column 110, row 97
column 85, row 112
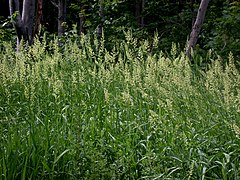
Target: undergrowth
column 83, row 112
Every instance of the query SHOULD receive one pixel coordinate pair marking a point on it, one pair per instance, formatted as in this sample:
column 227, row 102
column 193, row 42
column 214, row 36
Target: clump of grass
column 129, row 113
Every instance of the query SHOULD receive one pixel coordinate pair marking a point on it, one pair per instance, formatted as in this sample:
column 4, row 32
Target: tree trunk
column 138, row 12
column 197, row 27
column 139, row 7
column 101, row 15
column 81, row 20
column 62, row 8
column 28, row 16
column 23, row 23
column 38, row 17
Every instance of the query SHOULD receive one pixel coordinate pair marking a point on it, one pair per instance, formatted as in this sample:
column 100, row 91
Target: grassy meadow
column 132, row 112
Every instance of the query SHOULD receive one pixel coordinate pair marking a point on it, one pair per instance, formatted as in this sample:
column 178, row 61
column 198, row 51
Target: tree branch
column 197, row 27
column 55, row 4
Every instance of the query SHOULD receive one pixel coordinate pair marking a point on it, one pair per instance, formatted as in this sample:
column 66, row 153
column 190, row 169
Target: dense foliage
column 83, row 112
column 224, row 35
column 126, row 103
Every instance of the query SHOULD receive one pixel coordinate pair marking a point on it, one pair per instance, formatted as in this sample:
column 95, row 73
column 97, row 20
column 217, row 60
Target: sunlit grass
column 82, row 112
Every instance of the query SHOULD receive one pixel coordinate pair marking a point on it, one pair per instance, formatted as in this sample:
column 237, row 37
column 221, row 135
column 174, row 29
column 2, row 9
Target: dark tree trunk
column 139, row 7
column 81, row 20
column 23, row 23
column 101, row 15
column 138, row 11
column 38, row 17
column 62, row 8
column 197, row 27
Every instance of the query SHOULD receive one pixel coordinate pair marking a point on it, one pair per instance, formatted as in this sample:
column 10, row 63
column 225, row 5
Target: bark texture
column 62, row 13
column 197, row 27
column 38, row 17
column 28, row 16
column 24, row 19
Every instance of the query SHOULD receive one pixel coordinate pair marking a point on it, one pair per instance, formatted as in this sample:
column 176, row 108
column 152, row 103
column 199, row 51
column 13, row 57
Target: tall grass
column 84, row 112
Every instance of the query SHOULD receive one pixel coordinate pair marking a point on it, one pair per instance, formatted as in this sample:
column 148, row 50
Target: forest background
column 172, row 20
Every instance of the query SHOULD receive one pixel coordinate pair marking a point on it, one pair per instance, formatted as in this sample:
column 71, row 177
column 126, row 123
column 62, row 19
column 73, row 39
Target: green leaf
column 64, row 152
